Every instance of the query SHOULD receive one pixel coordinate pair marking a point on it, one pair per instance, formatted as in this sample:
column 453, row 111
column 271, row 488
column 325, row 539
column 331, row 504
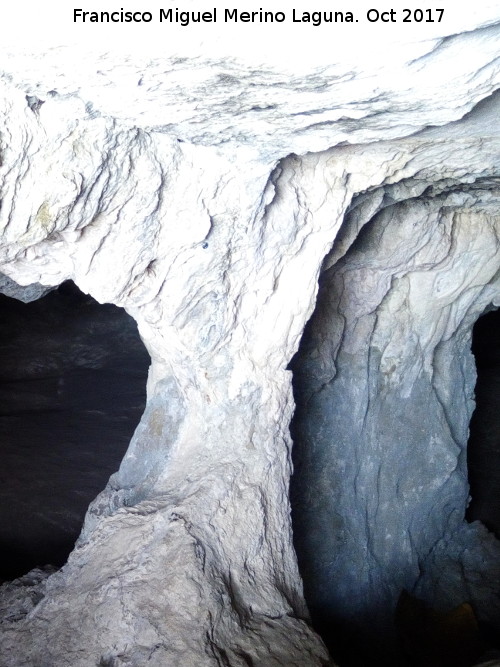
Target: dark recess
column 72, row 390
column 483, row 450
column 422, row 637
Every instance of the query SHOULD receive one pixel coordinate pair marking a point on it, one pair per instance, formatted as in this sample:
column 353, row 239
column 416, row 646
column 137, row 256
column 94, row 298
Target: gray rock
column 384, row 388
column 26, row 294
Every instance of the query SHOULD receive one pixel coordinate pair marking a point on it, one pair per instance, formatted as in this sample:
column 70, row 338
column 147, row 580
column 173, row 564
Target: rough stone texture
column 214, row 245
column 384, row 388
column 26, row 294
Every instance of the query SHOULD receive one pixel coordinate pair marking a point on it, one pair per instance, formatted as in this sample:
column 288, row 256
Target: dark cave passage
column 483, row 450
column 373, row 462
column 73, row 388
column 449, row 638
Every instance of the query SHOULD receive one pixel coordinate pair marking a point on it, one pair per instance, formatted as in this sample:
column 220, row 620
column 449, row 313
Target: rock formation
column 207, row 198
column 384, row 388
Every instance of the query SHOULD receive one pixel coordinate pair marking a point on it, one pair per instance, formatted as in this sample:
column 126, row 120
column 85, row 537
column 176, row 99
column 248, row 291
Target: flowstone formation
column 193, row 200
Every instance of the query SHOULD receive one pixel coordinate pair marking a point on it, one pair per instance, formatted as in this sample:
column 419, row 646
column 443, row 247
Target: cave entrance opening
column 73, row 388
column 483, row 450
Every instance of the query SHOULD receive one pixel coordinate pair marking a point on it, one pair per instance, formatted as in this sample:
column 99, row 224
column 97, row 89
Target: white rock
column 183, row 200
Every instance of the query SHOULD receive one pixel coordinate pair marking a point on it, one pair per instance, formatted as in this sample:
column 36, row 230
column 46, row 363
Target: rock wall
column 189, row 205
column 384, row 389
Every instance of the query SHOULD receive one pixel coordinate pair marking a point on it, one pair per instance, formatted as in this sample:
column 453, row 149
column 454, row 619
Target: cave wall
column 384, row 385
column 213, row 240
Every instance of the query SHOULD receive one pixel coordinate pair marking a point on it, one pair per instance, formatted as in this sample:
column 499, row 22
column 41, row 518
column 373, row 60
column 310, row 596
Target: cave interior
column 73, row 388
column 385, row 389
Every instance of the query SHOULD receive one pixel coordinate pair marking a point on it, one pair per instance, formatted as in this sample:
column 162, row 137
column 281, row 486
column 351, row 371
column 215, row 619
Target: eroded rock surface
column 384, row 388
column 214, row 244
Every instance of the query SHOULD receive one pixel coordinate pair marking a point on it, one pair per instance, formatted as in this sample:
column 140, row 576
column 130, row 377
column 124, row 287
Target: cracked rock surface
column 208, row 215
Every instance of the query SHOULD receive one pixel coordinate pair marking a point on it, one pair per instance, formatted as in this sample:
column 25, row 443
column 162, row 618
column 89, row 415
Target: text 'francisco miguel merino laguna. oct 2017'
column 232, row 15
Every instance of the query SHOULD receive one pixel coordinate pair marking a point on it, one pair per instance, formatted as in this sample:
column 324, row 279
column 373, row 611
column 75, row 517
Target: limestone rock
column 26, row 294
column 384, row 390
column 214, row 244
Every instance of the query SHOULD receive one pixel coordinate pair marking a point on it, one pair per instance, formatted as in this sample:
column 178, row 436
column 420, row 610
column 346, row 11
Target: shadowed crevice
column 483, row 452
column 72, row 390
